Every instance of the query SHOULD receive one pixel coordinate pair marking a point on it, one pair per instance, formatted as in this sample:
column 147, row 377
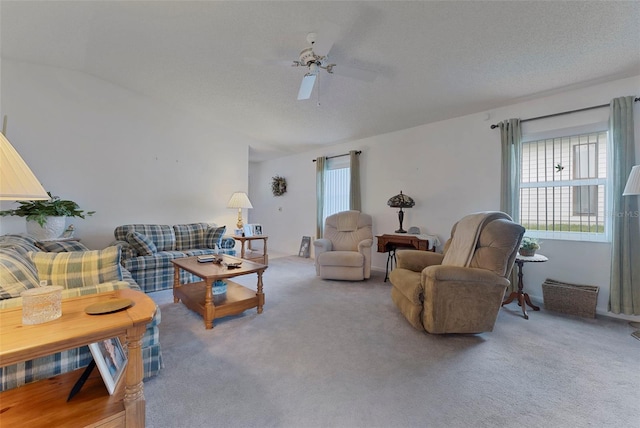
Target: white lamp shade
column 633, row 183
column 17, row 182
column 239, row 200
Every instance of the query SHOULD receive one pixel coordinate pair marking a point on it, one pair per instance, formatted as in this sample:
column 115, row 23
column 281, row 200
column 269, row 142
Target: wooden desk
column 251, row 254
column 389, row 243
column 523, row 298
column 43, row 403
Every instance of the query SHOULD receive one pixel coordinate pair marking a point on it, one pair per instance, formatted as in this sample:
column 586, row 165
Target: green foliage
column 39, row 210
column 565, row 227
column 529, row 243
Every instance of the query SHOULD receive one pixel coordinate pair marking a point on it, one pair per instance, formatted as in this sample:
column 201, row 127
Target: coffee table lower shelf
column 236, row 300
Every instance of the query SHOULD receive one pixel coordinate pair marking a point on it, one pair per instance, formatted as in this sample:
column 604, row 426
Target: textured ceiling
column 228, row 61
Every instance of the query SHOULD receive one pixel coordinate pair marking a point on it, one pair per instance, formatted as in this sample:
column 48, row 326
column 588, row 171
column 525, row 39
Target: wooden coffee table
column 198, row 296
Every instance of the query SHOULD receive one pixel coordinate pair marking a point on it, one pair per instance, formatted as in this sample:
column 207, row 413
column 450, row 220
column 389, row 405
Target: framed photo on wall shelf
column 111, row 360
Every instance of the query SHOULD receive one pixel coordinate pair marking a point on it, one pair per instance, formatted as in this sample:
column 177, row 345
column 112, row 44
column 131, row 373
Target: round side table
column 523, row 298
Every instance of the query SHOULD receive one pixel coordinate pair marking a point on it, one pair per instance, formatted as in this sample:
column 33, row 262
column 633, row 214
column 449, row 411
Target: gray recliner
column 460, row 291
column 344, row 252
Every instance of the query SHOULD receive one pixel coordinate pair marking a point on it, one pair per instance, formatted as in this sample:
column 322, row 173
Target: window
column 337, row 182
column 563, row 187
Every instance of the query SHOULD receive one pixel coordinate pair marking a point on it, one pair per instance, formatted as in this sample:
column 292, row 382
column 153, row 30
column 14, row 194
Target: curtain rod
column 339, row 156
column 562, row 113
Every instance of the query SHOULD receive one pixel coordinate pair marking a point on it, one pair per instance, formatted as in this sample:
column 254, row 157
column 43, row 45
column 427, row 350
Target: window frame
column 595, row 127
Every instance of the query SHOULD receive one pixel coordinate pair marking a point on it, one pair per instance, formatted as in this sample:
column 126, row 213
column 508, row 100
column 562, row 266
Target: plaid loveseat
column 148, row 249
column 24, row 262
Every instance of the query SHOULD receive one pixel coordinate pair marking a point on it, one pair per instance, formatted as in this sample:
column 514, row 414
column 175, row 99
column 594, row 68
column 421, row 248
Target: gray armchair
column 460, row 291
column 345, row 250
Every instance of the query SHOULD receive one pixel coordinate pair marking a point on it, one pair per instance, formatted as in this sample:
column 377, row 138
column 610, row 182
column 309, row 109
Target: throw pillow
column 141, row 243
column 61, row 246
column 79, row 268
column 213, row 236
column 17, row 273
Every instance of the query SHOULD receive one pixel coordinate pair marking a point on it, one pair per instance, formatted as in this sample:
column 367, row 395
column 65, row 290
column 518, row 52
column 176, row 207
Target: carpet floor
column 339, row 354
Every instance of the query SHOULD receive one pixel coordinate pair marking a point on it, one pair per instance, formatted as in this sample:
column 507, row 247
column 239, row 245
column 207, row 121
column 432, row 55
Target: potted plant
column 46, row 219
column 528, row 246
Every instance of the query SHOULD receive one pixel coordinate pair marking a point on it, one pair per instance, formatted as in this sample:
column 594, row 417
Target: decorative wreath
column 278, row 186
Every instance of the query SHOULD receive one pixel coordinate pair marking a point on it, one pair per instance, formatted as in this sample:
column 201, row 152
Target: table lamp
column 17, row 182
column 401, row 201
column 633, row 188
column 239, row 200
column 633, row 183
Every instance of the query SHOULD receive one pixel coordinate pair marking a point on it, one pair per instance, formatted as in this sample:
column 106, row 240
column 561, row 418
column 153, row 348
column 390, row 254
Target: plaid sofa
column 148, row 249
column 24, row 262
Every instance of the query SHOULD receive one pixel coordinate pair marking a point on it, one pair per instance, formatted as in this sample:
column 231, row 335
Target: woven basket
column 572, row 299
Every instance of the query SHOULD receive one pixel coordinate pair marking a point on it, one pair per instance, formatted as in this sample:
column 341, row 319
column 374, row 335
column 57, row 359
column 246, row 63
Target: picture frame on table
column 248, row 230
column 257, row 229
column 111, row 360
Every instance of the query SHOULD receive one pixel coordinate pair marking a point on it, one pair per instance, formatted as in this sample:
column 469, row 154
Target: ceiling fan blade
column 306, row 86
column 354, row 73
column 327, row 36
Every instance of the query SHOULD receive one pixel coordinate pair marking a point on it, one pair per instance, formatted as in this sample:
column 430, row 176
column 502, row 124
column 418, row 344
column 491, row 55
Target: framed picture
column 248, row 230
column 111, row 360
column 304, row 247
column 257, row 229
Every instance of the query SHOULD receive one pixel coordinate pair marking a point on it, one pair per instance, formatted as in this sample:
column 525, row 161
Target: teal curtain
column 320, row 168
column 624, row 294
column 510, row 136
column 355, row 198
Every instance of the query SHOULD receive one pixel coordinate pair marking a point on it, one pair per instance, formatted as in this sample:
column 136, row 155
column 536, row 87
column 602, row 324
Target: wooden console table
column 389, row 243
column 43, row 403
column 253, row 255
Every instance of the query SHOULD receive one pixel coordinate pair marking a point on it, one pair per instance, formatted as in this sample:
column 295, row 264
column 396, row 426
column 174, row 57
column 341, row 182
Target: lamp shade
column 401, row 201
column 17, row 182
column 633, row 183
column 239, row 200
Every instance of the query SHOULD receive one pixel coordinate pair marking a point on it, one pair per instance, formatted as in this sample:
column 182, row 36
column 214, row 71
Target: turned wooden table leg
column 176, row 283
column 134, row 402
column 260, row 294
column 209, row 308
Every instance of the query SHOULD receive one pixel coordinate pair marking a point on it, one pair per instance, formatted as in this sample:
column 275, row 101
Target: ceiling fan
column 314, row 63
column 316, row 58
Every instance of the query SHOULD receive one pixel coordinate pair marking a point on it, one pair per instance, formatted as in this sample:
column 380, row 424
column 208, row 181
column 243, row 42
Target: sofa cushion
column 79, row 268
column 213, row 237
column 143, row 245
column 24, row 242
column 17, row 273
column 161, row 234
column 190, row 235
column 61, row 246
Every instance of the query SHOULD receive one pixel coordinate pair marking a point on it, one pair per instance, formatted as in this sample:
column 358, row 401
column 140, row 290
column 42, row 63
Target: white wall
column 450, row 168
column 128, row 157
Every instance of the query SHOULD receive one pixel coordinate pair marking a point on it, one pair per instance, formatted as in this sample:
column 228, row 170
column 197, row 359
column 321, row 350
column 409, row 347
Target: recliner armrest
column 462, row 274
column 321, row 245
column 365, row 243
column 416, row 260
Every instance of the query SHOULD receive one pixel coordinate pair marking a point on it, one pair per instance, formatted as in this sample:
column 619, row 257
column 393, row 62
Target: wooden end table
column 255, row 257
column 523, row 298
column 198, row 296
column 388, row 243
column 44, row 403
